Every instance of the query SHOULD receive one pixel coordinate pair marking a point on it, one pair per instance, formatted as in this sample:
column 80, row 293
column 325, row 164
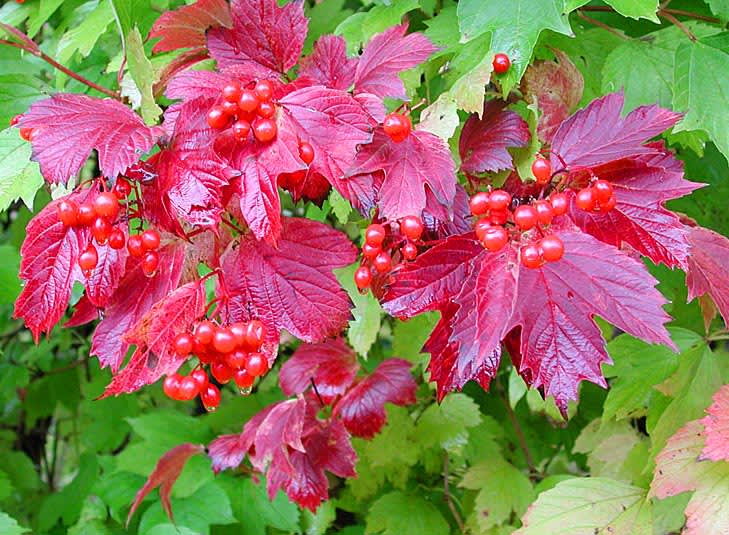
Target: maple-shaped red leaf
column 557, row 87
column 67, row 127
column 265, row 38
column 362, row 409
column 134, row 296
column 185, row 27
column 308, row 185
column 385, row 57
column 154, row 336
column 421, row 161
column 260, row 204
column 168, row 470
column 105, row 277
column 707, row 268
column 330, row 366
column 484, row 140
column 599, row 134
column 292, row 286
column 49, row 267
column 716, row 427
column 328, row 64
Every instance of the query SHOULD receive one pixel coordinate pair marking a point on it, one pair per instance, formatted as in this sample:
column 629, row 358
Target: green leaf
column 17, row 93
column 67, row 503
column 139, row 13
column 720, row 8
column 359, row 28
column 92, row 519
column 8, row 526
column 608, row 446
column 441, row 117
column 253, row 509
column 409, row 336
column 9, row 268
column 636, row 9
column 20, row 470
column 319, row 522
column 324, row 17
column 96, row 17
column 468, row 90
column 42, row 13
column 446, row 424
column 144, row 75
column 340, row 206
column 396, row 448
column 593, row 505
column 46, row 393
column 398, row 513
column 514, row 26
column 524, row 157
column 19, row 177
column 367, row 313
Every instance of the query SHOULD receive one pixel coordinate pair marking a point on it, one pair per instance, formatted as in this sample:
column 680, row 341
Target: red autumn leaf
column 105, row 277
column 331, row 366
column 716, row 427
column 83, row 312
column 599, row 134
column 154, row 335
column 421, row 161
column 484, row 140
column 260, row 204
column 362, row 409
column 328, row 64
column 134, row 296
column 707, row 268
column 385, row 57
column 557, row 87
column 308, row 185
column 265, row 38
column 67, row 127
column 185, row 27
column 168, row 470
column 264, row 282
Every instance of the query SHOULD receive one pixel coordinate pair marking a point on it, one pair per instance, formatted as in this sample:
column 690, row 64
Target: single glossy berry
column 15, row 120
column 382, row 262
column 243, row 379
column 545, row 212
column 222, row 373
column 363, row 277
column 151, row 239
column 86, row 214
column 397, row 126
column 88, row 259
column 117, row 239
column 495, row 238
column 481, row 226
column 230, row 108
column 498, row 217
column 238, row 330
column 231, row 92
column 257, row 365
column 499, row 200
column 122, row 188
column 217, row 118
column 150, row 262
column 236, row 359
column 560, row 203
column 241, row 130
column 479, row 203
column 306, row 152
column 542, row 170
column 501, row 63
column 248, row 101
column 171, row 386
column 585, row 199
column 26, row 133
column 265, row 130
column 134, row 245
column 223, row 340
column 68, row 213
column 609, row 205
column 411, row 227
column 264, row 90
column 201, row 351
column 266, row 109
column 183, row 344
column 188, row 388
column 370, row 251
column 101, row 230
column 552, row 248
column 531, row 256
column 409, row 251
column 603, row 191
column 210, row 397
column 375, row 234
column 525, row 217
column 204, row 332
column 255, row 334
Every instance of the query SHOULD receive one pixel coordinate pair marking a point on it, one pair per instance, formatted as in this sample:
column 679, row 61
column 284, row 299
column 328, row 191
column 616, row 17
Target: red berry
column 117, row 239
column 238, row 330
column 210, row 397
column 603, row 191
column 122, row 188
column 188, row 388
column 15, row 120
column 134, row 245
column 495, row 238
column 204, row 332
column 243, row 379
column 201, row 378
column 217, row 118
column 150, row 263
column 231, row 91
column 552, row 248
column 479, row 203
column 101, row 230
column 585, row 199
column 482, row 225
column 257, row 365
column 183, row 344
column 306, row 152
column 498, row 217
column 375, row 234
column 222, row 373
column 499, row 200
column 609, row 205
column 230, row 108
column 26, row 133
column 106, row 205
column 542, row 170
column 265, row 130
column 223, row 340
column 382, row 262
column 171, row 386
column 501, row 63
column 241, row 130
column 264, row 90
column 411, row 227
column 545, row 212
column 266, row 109
column 255, row 334
column 531, row 256
column 525, row 216
column 86, row 214
column 88, row 259
column 248, row 101
column 397, row 126
column 236, row 360
column 68, row 213
column 409, row 251
column 150, row 239
column 363, row 277
column 370, row 251
column 560, row 203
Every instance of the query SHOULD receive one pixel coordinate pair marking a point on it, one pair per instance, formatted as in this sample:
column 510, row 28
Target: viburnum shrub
column 189, row 264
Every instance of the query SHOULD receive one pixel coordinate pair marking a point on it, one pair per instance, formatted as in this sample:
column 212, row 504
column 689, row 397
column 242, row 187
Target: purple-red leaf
column 716, row 427
column 328, row 64
column 105, row 277
column 67, row 127
column 185, row 27
column 707, row 268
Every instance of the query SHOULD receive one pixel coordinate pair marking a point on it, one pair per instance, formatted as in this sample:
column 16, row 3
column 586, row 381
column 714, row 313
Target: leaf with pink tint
column 328, row 64
column 707, row 268
column 185, row 27
column 105, row 277
column 716, row 427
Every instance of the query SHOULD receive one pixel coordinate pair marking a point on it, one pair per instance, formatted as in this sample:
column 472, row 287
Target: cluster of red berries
column 397, row 126
column 231, row 352
column 501, row 63
column 25, row 133
column 246, row 110
column 597, row 197
column 377, row 258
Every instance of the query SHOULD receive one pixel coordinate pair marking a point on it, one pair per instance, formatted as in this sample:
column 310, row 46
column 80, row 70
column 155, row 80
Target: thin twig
column 678, row 24
column 602, row 25
column 447, row 495
column 316, row 391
